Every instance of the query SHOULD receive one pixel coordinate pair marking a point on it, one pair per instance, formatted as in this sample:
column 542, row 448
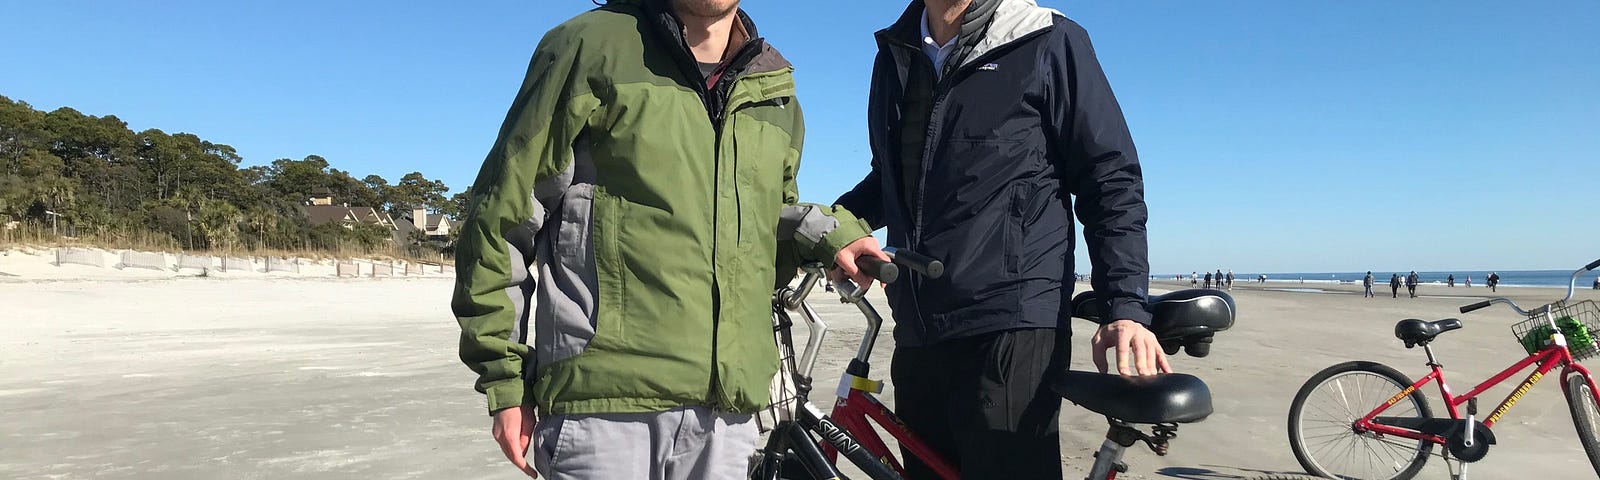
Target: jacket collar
column 985, row 26
column 669, row 28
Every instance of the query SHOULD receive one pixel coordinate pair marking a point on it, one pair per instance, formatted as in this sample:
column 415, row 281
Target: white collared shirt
column 936, row 52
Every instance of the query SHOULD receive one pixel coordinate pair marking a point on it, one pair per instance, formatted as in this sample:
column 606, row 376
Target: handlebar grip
column 1475, row 306
column 1592, row 265
column 878, row 269
column 919, row 263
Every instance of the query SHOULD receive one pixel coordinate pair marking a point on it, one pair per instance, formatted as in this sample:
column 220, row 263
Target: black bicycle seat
column 1185, row 318
column 1165, row 398
column 1417, row 332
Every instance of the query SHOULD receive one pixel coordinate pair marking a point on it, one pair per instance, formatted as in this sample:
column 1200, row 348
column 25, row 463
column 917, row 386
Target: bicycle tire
column 1584, row 419
column 1297, row 411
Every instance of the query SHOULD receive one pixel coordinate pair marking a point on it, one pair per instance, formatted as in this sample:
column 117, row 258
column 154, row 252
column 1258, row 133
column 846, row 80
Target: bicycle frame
column 853, row 410
column 1546, row 359
column 849, row 426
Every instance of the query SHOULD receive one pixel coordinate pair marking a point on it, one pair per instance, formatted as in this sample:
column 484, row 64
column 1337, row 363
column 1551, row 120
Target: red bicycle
column 1364, row 420
column 1185, row 320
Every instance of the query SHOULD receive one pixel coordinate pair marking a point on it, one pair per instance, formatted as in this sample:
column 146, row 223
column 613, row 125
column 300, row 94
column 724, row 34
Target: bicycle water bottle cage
column 1417, row 332
column 1185, row 318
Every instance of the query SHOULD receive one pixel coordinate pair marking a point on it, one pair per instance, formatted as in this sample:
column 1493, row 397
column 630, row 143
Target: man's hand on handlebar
column 1138, row 352
column 845, row 261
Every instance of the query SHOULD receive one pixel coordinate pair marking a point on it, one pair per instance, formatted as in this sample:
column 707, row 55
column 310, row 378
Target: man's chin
column 705, row 8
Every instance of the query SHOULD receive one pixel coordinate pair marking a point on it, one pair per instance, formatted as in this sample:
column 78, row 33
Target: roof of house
column 320, row 214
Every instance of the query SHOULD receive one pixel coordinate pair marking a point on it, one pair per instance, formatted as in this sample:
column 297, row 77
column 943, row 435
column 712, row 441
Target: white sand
column 294, row 378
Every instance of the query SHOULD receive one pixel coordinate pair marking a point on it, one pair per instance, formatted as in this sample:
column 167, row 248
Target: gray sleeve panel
column 564, row 321
column 565, row 308
column 805, row 224
column 522, row 243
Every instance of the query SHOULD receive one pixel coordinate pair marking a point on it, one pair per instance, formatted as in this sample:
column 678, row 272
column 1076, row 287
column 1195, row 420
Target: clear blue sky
column 1275, row 135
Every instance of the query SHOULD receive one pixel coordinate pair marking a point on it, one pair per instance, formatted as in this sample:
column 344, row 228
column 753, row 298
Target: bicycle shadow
column 1199, row 473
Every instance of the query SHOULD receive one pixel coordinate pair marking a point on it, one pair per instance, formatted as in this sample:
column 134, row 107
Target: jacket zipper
column 719, row 118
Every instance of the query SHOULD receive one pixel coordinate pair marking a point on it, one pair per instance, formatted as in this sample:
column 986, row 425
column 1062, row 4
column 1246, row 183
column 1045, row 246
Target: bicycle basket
column 1578, row 321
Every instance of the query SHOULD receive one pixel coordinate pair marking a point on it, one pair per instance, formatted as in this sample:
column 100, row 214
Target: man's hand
column 513, row 430
column 1138, row 352
column 845, row 261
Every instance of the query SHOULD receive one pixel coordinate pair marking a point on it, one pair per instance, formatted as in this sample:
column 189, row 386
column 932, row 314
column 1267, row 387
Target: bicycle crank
column 1476, row 450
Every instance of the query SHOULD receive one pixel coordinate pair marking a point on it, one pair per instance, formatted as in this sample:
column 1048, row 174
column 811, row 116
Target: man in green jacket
column 645, row 176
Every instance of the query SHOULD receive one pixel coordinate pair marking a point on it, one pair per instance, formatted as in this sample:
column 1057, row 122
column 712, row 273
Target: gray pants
column 689, row 443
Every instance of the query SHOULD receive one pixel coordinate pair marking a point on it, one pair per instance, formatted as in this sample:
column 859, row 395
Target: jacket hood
column 985, row 26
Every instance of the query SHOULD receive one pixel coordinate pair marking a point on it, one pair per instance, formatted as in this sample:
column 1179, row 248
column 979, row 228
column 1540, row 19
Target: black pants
column 984, row 403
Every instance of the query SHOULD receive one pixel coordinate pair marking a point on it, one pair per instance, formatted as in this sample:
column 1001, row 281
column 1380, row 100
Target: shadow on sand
column 1207, row 472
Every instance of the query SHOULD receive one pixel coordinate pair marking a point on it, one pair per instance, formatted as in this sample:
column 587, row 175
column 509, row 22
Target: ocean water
column 1508, row 278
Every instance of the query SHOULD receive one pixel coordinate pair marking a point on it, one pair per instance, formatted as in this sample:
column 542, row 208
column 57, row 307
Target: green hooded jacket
column 623, row 238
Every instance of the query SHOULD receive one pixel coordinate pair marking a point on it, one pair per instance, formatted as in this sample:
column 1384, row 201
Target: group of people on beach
column 1217, row 280
column 1412, row 280
column 645, row 177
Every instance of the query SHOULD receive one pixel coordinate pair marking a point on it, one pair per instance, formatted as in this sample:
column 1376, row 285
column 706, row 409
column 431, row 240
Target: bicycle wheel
column 1323, row 415
column 1585, row 417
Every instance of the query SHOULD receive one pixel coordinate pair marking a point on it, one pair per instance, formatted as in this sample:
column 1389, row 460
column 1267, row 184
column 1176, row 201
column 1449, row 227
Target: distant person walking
column 1219, row 279
column 1230, row 280
column 1597, row 283
column 1263, row 278
column 1366, row 284
column 1394, row 285
column 1451, row 280
column 1494, row 281
column 1208, row 280
column 1469, row 281
column 1411, row 283
column 1194, row 279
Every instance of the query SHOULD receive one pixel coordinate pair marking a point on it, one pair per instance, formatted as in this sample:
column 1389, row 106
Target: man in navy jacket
column 987, row 119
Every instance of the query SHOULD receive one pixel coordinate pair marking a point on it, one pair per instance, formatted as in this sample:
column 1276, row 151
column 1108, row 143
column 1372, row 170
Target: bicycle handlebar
column 1592, row 265
column 1476, row 306
column 878, row 269
column 917, row 262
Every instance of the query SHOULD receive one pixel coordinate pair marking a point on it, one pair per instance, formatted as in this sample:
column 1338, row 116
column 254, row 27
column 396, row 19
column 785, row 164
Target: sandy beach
column 357, row 378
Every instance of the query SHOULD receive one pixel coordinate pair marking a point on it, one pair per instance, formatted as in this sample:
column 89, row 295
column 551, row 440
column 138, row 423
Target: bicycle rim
column 1326, row 435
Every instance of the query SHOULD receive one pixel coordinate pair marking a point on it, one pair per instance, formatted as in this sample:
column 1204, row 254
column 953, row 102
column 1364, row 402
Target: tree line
column 95, row 178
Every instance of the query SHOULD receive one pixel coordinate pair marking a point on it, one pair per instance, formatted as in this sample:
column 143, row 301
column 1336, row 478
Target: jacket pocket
column 610, row 214
column 568, row 283
column 759, row 155
column 1016, row 231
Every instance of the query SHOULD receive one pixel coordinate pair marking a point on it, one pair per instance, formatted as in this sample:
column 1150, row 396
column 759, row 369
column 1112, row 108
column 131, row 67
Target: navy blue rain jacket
column 1025, row 122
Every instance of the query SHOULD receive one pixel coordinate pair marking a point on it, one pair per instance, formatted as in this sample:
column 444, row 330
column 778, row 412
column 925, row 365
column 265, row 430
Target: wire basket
column 1579, row 322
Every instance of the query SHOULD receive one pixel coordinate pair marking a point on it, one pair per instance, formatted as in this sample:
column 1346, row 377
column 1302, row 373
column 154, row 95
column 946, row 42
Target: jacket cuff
column 849, row 230
column 504, row 394
column 1129, row 309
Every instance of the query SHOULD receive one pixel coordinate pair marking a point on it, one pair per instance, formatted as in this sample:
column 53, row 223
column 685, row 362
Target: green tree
column 457, row 207
column 416, row 190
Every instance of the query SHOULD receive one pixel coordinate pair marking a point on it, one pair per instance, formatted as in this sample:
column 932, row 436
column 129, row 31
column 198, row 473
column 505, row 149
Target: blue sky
column 1275, row 136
